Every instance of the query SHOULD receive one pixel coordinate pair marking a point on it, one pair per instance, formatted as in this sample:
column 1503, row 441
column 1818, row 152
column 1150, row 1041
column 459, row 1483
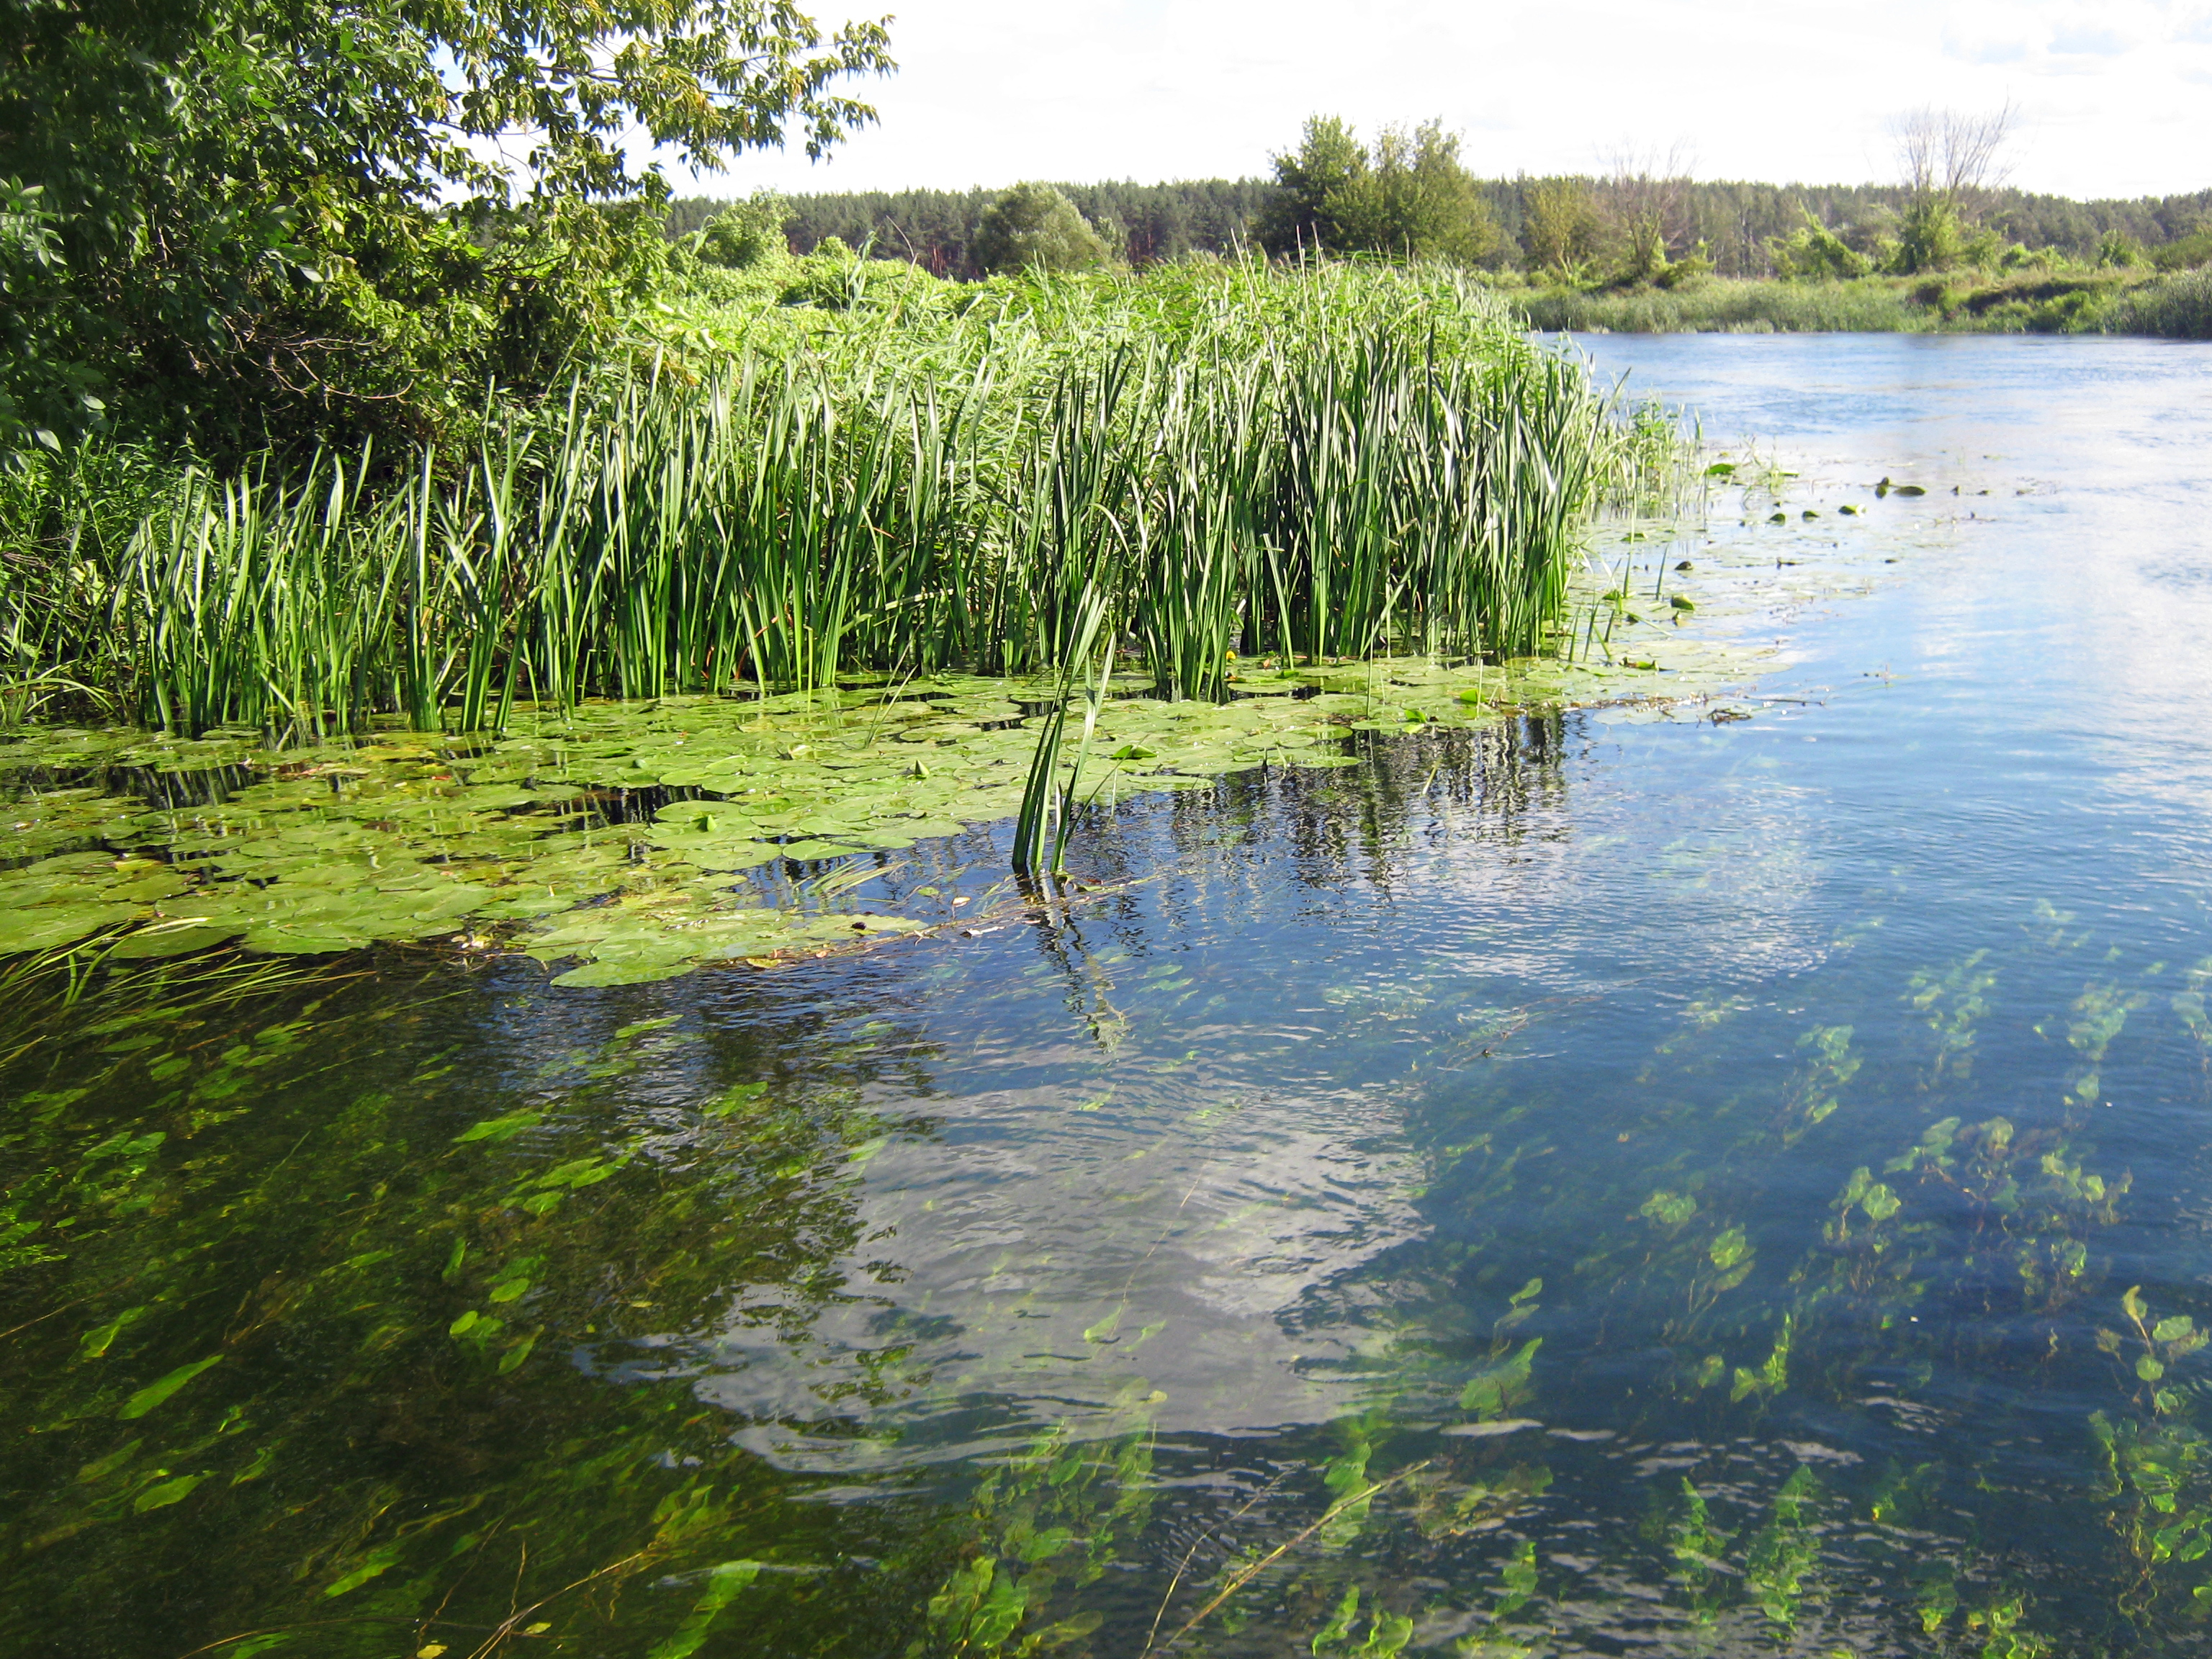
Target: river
column 1731, row 1178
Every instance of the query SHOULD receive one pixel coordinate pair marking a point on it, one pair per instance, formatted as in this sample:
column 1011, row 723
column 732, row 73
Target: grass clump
column 2175, row 306
column 2031, row 300
column 1324, row 461
column 1718, row 306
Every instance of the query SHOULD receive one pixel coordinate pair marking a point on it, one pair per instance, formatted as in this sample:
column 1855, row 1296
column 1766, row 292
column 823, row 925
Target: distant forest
column 1146, row 223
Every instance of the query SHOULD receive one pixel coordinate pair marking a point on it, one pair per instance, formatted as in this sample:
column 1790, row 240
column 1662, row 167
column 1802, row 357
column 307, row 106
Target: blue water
column 1823, row 1094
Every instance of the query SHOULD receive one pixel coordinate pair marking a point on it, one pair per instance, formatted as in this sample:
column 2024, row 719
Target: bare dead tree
column 1951, row 156
column 1645, row 192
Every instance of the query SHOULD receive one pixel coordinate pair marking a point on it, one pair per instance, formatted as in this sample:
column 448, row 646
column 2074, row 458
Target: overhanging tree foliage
column 231, row 221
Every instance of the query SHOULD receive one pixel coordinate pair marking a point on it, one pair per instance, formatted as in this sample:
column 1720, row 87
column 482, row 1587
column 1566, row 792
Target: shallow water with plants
column 1707, row 1160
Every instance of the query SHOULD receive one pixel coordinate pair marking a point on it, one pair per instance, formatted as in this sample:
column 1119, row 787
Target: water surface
column 1624, row 1180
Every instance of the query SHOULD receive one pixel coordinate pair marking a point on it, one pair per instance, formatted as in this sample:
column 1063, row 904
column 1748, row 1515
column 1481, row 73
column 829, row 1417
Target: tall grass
column 2176, row 307
column 1728, row 306
column 1324, row 462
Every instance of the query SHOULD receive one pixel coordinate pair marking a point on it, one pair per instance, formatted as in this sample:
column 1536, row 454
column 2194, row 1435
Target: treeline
column 1737, row 222
column 1142, row 224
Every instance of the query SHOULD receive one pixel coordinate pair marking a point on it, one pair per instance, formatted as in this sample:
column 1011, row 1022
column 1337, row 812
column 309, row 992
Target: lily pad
column 45, row 926
column 814, row 849
column 620, row 973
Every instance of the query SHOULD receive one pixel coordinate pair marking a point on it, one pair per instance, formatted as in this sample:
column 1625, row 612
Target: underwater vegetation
column 419, row 1293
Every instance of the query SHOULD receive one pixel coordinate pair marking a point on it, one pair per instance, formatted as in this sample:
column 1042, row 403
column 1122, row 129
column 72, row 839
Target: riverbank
column 2159, row 305
column 844, row 474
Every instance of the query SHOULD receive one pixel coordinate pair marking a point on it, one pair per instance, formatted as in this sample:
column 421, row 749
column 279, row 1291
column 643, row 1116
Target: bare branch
column 1950, row 153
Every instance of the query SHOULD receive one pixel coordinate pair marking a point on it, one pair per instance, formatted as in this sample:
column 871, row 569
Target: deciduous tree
column 1033, row 227
column 248, row 220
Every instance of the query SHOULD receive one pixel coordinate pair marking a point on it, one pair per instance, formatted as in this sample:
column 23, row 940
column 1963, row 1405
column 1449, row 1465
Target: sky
column 2114, row 98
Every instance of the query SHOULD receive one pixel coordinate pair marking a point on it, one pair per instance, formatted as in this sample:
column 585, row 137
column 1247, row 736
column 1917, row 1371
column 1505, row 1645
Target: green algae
column 618, row 833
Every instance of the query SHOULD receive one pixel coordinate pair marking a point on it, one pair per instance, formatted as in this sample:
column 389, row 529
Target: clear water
column 1601, row 1185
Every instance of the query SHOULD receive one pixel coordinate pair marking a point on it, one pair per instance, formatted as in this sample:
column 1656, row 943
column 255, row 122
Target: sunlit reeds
column 1319, row 463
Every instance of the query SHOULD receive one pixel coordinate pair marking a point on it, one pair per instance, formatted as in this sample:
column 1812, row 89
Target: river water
column 1623, row 1181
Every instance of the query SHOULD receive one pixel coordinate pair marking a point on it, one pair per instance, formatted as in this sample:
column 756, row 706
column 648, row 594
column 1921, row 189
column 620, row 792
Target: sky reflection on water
column 1703, row 1164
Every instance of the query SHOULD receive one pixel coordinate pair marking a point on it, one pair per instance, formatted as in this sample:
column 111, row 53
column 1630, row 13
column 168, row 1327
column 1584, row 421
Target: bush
column 1812, row 252
column 742, row 234
column 1033, row 227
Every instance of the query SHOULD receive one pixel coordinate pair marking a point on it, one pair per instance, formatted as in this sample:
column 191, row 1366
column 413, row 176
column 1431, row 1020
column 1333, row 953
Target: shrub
column 1033, row 227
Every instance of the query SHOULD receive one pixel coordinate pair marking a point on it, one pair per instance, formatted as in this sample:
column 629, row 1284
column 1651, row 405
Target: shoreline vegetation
column 439, row 461
column 2142, row 302
column 1641, row 249
column 896, row 475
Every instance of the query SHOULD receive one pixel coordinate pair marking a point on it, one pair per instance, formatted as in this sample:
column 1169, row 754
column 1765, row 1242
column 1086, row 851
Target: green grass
column 1325, row 461
column 2174, row 307
column 1728, row 307
column 2031, row 301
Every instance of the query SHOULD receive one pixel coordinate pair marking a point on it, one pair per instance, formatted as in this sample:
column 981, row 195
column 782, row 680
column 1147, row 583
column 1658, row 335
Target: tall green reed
column 1322, row 462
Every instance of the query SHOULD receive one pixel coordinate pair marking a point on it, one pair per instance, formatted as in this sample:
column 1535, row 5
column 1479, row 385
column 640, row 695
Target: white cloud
column 990, row 91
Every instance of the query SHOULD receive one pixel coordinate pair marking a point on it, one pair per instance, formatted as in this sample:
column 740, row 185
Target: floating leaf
column 622, row 972
column 45, row 927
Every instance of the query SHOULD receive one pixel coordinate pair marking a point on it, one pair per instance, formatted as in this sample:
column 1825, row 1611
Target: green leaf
column 262, row 1643
column 1047, row 1544
column 154, row 1392
column 1070, row 1630
column 2172, row 1329
column 505, row 1127
column 168, row 1492
column 623, row 973
column 100, row 1468
column 1491, row 1394
column 517, row 1353
column 723, row 1584
column 374, row 1564
column 1669, row 1209
column 97, row 1342
column 44, row 927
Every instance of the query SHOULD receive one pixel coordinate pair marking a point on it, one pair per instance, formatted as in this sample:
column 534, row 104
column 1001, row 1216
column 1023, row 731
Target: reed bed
column 1876, row 306
column 1320, row 463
